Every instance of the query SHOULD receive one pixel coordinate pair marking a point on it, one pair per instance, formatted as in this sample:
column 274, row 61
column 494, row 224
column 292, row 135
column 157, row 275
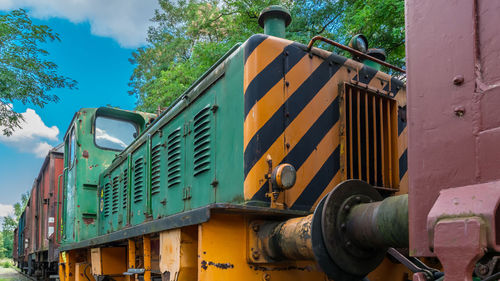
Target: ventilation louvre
column 125, row 189
column 138, row 179
column 115, row 193
column 371, row 137
column 201, row 141
column 174, row 158
column 106, row 199
column 155, row 169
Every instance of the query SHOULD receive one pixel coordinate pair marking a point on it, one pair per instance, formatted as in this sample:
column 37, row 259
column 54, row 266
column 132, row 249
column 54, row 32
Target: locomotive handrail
column 58, row 203
column 352, row 51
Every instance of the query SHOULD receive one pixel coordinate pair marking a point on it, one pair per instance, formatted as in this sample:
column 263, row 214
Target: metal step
column 132, row 271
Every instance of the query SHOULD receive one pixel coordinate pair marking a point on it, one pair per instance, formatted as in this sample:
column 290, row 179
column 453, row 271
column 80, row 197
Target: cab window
column 114, row 134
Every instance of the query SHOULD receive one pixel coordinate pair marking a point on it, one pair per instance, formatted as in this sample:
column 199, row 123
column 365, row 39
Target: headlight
column 359, row 42
column 284, row 176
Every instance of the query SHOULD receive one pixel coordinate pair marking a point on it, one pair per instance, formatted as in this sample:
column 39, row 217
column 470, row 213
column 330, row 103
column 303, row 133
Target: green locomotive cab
column 94, row 138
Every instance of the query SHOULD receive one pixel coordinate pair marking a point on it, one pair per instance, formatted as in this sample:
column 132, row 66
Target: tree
column 188, row 36
column 19, row 206
column 9, row 224
column 25, row 74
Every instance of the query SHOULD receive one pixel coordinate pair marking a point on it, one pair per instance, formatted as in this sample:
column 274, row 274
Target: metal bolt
column 287, row 145
column 287, row 83
column 458, row 80
column 483, row 269
column 255, row 254
column 358, row 199
column 266, row 277
column 348, row 243
column 459, row 111
column 347, row 207
column 255, row 227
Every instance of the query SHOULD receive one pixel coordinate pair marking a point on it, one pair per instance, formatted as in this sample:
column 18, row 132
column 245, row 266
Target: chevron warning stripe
column 292, row 114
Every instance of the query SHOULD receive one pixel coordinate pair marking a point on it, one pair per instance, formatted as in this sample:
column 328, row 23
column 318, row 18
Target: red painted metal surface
column 453, row 88
column 479, row 201
column 459, row 244
column 41, row 208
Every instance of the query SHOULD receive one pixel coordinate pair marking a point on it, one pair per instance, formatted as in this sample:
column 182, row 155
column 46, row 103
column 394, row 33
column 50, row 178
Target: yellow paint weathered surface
column 82, row 272
column 222, row 251
column 178, row 254
column 109, row 260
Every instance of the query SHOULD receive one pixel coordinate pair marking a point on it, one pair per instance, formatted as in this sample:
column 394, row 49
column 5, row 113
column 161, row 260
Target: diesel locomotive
column 282, row 162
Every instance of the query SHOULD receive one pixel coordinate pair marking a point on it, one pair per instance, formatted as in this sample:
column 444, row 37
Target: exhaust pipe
column 274, row 19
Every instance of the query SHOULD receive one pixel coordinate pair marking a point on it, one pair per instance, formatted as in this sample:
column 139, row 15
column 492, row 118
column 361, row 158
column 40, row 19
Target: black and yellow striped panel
column 292, row 115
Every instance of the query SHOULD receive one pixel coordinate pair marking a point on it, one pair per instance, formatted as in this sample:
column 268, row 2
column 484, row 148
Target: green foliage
column 6, row 264
column 19, row 206
column 25, row 74
column 188, row 36
column 9, row 224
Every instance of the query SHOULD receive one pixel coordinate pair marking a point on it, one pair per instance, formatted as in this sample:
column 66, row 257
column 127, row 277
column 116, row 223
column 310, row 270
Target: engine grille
column 371, row 138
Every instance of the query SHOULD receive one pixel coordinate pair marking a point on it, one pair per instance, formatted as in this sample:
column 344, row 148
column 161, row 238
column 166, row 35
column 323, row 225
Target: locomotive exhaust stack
column 274, row 19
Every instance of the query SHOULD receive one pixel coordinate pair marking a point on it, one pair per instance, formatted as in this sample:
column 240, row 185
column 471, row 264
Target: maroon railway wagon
column 36, row 247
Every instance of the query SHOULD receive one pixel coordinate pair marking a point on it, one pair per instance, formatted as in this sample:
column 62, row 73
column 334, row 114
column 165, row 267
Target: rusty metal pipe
column 352, row 51
column 380, row 224
column 288, row 240
column 347, row 235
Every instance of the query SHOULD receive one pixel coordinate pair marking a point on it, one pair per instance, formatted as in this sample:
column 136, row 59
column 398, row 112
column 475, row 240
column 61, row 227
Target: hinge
column 186, row 128
column 186, row 193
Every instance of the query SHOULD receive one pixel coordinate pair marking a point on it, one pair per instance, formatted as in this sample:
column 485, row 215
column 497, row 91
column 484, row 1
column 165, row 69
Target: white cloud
column 126, row 21
column 33, row 135
column 6, row 210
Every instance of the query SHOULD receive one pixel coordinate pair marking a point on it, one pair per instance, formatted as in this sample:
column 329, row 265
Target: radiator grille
column 371, row 137
column 174, row 157
column 202, row 141
column 155, row 168
column 138, row 179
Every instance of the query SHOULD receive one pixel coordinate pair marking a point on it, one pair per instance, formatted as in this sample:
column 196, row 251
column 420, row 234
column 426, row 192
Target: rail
column 352, row 51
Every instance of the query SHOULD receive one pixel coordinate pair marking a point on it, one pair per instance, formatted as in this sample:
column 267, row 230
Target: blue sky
column 94, row 50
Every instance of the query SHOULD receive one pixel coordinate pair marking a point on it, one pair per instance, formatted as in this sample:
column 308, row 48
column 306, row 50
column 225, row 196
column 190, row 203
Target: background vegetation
column 25, row 73
column 9, row 223
column 188, row 36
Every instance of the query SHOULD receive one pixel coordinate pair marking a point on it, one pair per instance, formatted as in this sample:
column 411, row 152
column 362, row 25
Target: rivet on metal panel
column 266, row 277
column 458, row 80
column 459, row 111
